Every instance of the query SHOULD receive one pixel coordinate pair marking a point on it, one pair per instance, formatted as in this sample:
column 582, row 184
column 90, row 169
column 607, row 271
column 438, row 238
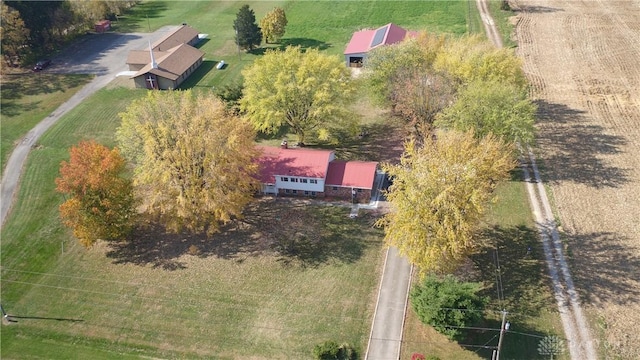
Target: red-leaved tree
column 100, row 202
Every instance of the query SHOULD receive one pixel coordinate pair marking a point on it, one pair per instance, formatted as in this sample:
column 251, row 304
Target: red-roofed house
column 351, row 179
column 315, row 173
column 168, row 62
column 364, row 40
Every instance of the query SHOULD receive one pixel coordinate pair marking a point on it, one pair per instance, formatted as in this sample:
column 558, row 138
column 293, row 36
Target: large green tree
column 273, row 25
column 99, row 197
column 440, row 191
column 495, row 107
column 194, row 160
column 248, row 33
column 306, row 91
column 14, row 35
column 447, row 304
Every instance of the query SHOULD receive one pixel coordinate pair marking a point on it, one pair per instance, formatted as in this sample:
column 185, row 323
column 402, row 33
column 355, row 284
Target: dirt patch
column 583, row 61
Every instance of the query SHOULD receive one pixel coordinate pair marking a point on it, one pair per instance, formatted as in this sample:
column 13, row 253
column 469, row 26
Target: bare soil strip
column 575, row 326
column 583, row 60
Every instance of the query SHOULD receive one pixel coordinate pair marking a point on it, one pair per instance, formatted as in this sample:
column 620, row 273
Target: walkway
column 385, row 339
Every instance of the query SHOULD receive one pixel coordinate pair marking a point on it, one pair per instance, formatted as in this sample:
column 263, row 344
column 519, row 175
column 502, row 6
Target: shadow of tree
column 520, row 342
column 16, row 87
column 523, row 271
column 304, row 43
column 380, row 141
column 574, row 148
column 535, row 9
column 522, row 274
column 606, row 268
column 295, row 232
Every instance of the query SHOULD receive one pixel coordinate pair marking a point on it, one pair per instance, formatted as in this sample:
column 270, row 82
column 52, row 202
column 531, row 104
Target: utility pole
column 503, row 328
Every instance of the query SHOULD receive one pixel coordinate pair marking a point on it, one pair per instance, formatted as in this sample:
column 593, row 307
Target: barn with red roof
column 315, row 173
column 364, row 40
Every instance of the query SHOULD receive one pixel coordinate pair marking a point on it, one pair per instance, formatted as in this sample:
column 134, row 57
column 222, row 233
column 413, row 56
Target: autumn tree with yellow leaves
column 194, row 160
column 273, row 25
column 306, row 92
column 439, row 193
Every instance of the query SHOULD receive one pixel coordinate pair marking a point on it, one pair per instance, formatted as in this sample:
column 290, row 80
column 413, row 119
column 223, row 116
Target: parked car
column 42, row 64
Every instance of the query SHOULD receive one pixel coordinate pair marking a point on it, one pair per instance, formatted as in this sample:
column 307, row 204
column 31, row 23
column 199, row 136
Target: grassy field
column 526, row 292
column 287, row 277
column 326, row 25
column 29, row 97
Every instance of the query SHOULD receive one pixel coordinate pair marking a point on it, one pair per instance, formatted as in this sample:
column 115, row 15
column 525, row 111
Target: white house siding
column 299, row 185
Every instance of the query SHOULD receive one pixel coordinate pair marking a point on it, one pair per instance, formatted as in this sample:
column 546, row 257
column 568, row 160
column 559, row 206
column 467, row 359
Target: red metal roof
column 361, row 40
column 293, row 162
column 356, row 174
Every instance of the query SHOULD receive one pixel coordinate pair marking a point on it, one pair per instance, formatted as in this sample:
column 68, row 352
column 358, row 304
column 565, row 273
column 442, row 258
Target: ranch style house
column 304, row 172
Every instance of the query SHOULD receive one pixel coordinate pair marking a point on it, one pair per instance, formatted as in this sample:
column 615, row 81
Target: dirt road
column 583, row 59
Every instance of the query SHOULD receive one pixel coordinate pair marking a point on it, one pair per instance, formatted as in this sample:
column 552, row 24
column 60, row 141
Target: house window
column 304, row 181
column 284, row 179
column 294, row 179
column 359, row 190
column 295, row 191
column 306, row 193
column 313, row 193
column 335, row 188
column 313, row 181
column 287, row 191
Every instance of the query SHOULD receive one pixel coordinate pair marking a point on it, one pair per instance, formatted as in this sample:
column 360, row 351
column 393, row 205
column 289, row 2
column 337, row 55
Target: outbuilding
column 365, row 40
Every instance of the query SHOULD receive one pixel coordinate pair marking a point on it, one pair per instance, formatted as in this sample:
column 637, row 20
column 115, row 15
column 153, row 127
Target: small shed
column 364, row 40
column 102, row 26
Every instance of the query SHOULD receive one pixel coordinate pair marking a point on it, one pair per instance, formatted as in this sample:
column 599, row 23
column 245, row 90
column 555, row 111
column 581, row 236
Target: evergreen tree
column 248, row 33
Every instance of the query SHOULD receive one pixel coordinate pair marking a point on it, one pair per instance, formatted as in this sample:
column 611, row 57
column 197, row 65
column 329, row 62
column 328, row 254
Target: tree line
column 193, row 160
column 34, row 28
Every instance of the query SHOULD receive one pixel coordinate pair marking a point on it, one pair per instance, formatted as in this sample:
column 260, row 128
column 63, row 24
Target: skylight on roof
column 379, row 36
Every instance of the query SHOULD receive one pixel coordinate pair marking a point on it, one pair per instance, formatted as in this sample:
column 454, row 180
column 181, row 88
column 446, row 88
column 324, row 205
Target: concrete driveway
column 105, row 56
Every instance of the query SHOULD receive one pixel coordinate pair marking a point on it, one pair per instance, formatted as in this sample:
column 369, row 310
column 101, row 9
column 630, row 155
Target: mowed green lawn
column 289, row 276
column 327, row 25
column 29, row 97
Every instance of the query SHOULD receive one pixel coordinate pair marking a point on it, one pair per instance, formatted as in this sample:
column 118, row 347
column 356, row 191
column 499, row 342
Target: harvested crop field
column 583, row 60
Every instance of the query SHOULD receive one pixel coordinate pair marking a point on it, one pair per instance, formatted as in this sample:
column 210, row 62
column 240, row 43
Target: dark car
column 42, row 64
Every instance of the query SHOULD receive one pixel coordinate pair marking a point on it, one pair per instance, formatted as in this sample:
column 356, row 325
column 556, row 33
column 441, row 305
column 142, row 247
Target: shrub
column 447, row 304
column 330, row 350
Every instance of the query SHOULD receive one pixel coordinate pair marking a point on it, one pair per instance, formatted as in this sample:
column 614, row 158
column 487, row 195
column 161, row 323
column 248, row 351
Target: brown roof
column 142, row 57
column 173, row 62
column 181, row 35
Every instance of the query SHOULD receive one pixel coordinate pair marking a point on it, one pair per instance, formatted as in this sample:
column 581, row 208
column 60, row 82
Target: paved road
column 388, row 320
column 103, row 55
